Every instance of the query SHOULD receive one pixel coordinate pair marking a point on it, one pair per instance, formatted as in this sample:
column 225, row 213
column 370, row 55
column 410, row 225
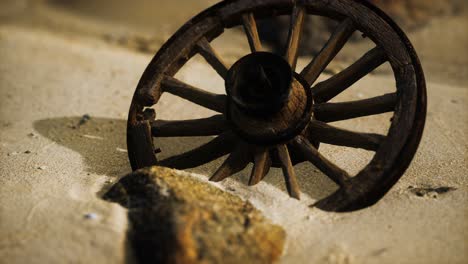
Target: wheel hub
column 267, row 102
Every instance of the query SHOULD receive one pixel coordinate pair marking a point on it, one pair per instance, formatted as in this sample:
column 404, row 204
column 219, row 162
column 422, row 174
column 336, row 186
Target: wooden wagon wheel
column 273, row 116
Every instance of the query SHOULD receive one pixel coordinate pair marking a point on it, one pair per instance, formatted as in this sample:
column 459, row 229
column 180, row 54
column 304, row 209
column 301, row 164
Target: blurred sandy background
column 60, row 60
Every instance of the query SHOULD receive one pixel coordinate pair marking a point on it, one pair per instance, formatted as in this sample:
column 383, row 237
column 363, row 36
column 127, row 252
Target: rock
column 176, row 218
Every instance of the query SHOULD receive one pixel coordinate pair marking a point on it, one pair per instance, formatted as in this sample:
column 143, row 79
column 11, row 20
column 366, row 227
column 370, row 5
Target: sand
column 53, row 172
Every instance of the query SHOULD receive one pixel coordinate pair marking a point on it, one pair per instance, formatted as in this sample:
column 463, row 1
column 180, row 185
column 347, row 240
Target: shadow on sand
column 102, row 144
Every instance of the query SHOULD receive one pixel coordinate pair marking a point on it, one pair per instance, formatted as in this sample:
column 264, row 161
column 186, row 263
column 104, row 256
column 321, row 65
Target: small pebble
column 42, row 168
column 93, row 137
column 27, row 152
column 32, row 135
column 121, row 150
column 454, row 101
column 85, row 118
column 91, row 216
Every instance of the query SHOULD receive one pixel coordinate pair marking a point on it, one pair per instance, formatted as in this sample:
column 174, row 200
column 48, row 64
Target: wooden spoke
column 262, row 164
column 330, row 112
column 215, row 102
column 210, row 126
column 295, row 31
column 288, row 171
column 235, row 162
column 326, row 90
column 336, row 42
column 336, row 136
column 212, row 57
column 216, row 148
column 250, row 27
column 336, row 174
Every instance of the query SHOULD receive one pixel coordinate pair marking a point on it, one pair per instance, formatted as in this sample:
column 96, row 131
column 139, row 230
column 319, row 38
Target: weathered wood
column 327, row 134
column 326, row 90
column 234, row 163
column 250, row 28
column 210, row 126
column 140, row 145
column 336, row 42
column 288, row 171
column 379, row 29
column 215, row 102
column 330, row 112
column 262, row 164
column 294, row 36
column 393, row 155
column 336, row 174
column 233, row 10
column 170, row 58
column 216, row 148
column 149, row 114
column 212, row 57
column 290, row 114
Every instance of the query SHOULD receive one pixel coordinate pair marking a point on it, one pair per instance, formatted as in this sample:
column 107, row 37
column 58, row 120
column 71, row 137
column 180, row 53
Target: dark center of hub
column 259, row 84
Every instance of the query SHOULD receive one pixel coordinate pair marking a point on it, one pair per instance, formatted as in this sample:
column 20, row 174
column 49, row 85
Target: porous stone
column 176, row 218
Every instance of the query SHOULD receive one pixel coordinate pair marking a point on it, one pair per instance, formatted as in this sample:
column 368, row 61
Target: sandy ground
column 53, row 172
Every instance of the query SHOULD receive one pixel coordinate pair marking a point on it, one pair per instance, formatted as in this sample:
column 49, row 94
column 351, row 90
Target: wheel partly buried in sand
column 274, row 115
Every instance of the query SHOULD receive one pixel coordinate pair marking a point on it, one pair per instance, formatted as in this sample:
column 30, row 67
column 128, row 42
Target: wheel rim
column 393, row 154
